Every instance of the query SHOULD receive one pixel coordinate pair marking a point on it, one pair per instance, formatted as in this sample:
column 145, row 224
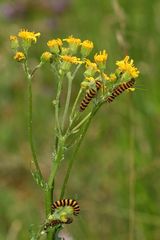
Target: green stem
column 74, row 106
column 36, row 68
column 51, row 180
column 67, row 101
column 58, row 158
column 30, row 125
column 57, row 105
column 81, row 123
column 83, row 133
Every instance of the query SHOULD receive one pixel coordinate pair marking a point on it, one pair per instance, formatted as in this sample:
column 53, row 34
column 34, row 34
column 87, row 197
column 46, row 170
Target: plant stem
column 30, row 128
column 57, row 104
column 67, row 101
column 74, row 106
column 82, row 135
column 81, row 123
column 30, row 125
column 56, row 161
column 51, row 180
column 36, row 68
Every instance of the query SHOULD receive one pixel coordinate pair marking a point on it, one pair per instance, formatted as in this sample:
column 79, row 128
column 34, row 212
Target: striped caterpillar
column 67, row 202
column 89, row 95
column 120, row 89
column 56, row 222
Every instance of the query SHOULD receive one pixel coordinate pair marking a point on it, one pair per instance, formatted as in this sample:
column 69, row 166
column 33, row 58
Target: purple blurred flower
column 13, row 10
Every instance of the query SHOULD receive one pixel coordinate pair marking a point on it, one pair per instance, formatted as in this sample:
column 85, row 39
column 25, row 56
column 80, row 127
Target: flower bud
column 14, row 42
column 19, row 57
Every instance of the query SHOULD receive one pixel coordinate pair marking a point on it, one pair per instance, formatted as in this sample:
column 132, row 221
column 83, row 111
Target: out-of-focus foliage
column 118, row 165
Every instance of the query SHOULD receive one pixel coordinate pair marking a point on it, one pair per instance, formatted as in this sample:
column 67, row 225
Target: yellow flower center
column 127, row 66
column 28, row 36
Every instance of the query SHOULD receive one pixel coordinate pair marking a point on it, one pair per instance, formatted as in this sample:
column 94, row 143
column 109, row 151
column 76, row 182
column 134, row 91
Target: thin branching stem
column 70, row 80
column 57, row 106
column 30, row 123
column 67, row 101
column 72, row 116
column 81, row 123
column 36, row 68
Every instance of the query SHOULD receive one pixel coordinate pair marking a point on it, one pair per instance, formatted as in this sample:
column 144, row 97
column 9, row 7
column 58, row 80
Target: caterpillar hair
column 89, row 95
column 67, row 202
column 120, row 89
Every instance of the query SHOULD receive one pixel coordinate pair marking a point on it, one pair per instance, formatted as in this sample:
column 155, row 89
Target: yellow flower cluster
column 112, row 77
column 73, row 51
column 25, row 40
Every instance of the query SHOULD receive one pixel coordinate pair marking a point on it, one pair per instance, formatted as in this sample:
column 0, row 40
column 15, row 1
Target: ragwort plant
column 65, row 58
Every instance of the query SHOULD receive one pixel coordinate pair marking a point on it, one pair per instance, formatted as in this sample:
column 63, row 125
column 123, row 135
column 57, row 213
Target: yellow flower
column 91, row 65
column 101, row 58
column 105, row 76
column 55, row 45
column 46, row 57
column 87, row 44
column 112, row 77
column 86, row 48
column 71, row 59
column 67, row 61
column 91, row 68
column 54, row 42
column 71, row 39
column 14, row 42
column 28, row 36
column 13, row 38
column 73, row 43
column 19, row 57
column 127, row 66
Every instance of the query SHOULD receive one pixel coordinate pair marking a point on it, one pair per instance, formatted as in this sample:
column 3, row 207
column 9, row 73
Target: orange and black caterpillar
column 88, row 97
column 56, row 222
column 120, row 89
column 67, row 202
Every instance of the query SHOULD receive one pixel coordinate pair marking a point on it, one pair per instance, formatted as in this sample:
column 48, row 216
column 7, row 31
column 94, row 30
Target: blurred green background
column 116, row 177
